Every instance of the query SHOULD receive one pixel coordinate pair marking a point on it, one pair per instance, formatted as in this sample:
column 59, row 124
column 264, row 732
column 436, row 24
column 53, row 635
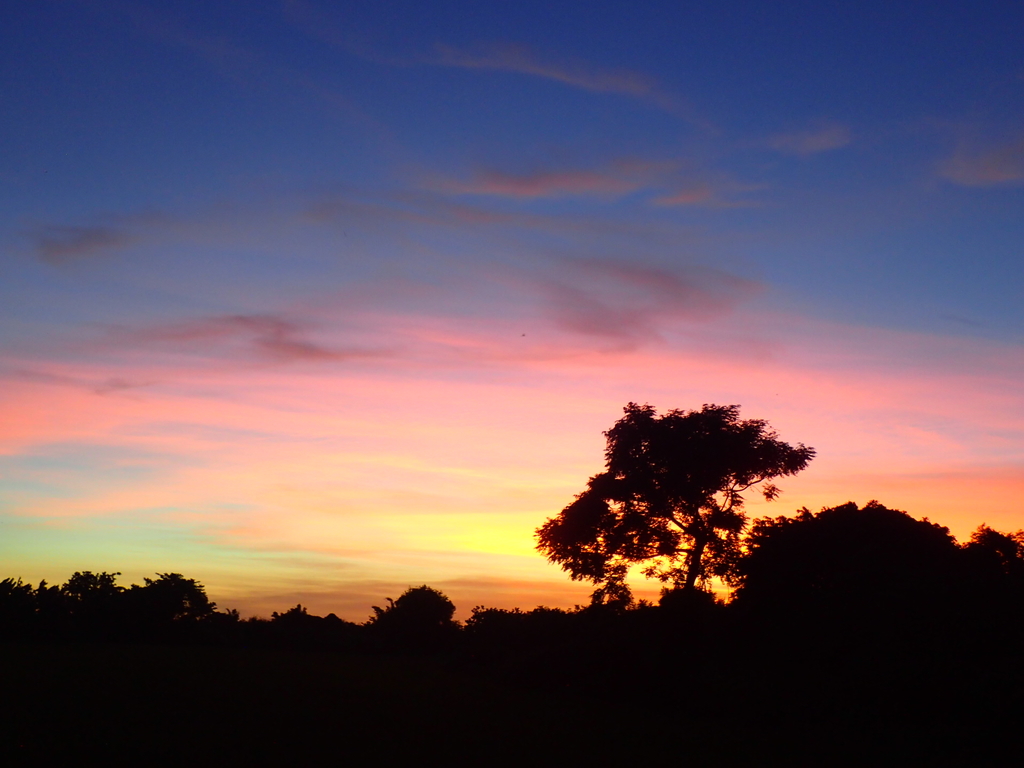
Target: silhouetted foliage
column 17, row 608
column 296, row 616
column 86, row 587
column 671, row 497
column 296, row 627
column 851, row 630
column 844, row 558
column 94, row 604
column 996, row 564
column 170, row 597
column 419, row 607
column 420, row 619
column 998, row 553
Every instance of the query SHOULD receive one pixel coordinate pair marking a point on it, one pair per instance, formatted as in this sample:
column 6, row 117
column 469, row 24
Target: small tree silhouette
column 420, row 618
column 420, row 607
column 170, row 597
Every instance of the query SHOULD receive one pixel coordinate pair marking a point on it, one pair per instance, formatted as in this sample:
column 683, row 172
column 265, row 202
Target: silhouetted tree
column 671, row 497
column 421, row 617
column 996, row 563
column 421, row 607
column 171, row 597
column 93, row 604
column 297, row 615
column 845, row 558
column 17, row 608
column 86, row 587
column 297, row 626
column 1002, row 553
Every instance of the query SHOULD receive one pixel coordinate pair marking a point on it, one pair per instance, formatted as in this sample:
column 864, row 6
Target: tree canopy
column 671, row 497
column 421, row 617
column 843, row 558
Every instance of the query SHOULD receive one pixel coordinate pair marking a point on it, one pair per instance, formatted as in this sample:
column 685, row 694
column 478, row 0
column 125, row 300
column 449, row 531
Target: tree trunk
column 695, row 563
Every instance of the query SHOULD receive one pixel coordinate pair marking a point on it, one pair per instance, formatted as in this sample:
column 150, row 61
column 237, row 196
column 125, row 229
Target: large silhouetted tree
column 671, row 497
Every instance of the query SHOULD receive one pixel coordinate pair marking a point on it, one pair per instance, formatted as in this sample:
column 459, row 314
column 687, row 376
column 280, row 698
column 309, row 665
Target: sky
column 314, row 302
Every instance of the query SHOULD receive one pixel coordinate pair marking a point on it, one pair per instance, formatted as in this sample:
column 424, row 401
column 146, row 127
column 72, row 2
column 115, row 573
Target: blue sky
column 205, row 208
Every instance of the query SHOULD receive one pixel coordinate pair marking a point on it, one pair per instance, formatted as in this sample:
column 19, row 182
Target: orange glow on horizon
column 440, row 471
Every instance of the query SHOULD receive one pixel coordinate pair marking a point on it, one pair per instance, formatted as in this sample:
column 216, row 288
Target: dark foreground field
column 101, row 705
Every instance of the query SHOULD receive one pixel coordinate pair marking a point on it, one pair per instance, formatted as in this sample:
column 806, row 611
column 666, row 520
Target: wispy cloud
column 106, row 384
column 619, row 178
column 511, row 57
column 372, row 464
column 813, row 141
column 711, row 194
column 230, row 59
column 269, row 337
column 236, row 63
column 116, row 384
column 521, row 59
column 631, row 303
column 60, row 245
column 497, row 56
column 974, row 166
column 674, row 185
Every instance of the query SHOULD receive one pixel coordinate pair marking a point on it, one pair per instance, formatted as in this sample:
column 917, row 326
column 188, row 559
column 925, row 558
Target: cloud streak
column 440, row 469
column 267, row 337
column 615, row 180
column 630, row 303
column 985, row 167
column 812, row 142
column 541, row 185
column 618, row 179
column 63, row 245
column 720, row 193
column 521, row 59
column 510, row 57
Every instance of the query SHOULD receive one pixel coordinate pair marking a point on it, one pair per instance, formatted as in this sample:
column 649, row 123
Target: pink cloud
column 613, row 180
column 631, row 303
column 721, row 193
column 63, row 245
column 988, row 166
column 267, row 336
column 436, row 465
column 544, row 184
column 813, row 141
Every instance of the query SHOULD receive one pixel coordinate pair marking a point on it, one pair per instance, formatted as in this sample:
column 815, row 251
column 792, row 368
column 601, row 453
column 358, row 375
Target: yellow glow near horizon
column 426, row 476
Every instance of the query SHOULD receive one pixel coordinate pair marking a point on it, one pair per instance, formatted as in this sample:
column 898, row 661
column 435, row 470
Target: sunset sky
column 316, row 301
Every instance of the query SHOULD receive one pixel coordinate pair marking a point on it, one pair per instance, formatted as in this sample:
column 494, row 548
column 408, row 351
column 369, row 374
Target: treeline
column 842, row 573
column 852, row 633
column 849, row 623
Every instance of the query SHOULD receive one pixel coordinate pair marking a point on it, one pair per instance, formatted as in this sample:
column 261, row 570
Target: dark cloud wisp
column 630, row 303
column 61, row 245
column 266, row 337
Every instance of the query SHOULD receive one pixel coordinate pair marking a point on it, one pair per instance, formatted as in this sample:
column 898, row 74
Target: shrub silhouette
column 848, row 559
column 421, row 617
